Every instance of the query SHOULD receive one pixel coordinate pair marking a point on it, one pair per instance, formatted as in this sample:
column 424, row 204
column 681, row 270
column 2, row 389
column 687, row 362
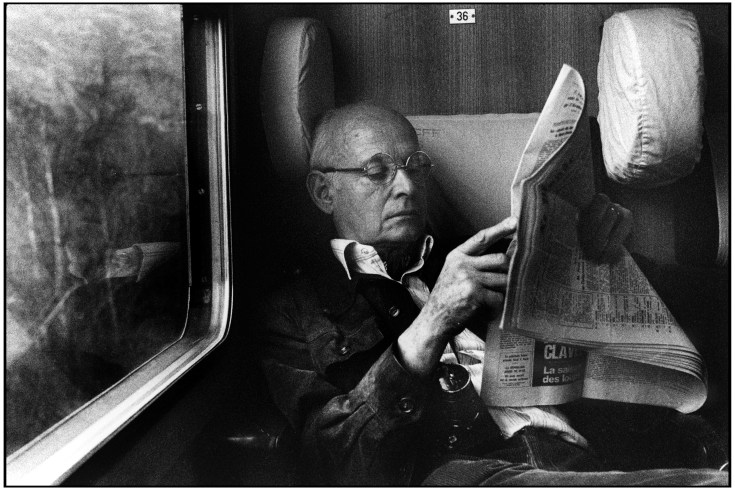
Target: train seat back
column 470, row 185
column 476, row 157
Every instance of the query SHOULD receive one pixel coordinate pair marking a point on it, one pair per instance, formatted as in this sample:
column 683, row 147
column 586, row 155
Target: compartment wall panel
column 411, row 58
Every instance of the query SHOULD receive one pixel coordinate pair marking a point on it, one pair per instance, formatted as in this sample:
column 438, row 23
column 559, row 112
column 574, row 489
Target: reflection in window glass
column 96, row 268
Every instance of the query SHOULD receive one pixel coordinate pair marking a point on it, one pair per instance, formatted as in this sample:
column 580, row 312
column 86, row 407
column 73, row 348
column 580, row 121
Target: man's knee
column 476, row 472
column 494, row 472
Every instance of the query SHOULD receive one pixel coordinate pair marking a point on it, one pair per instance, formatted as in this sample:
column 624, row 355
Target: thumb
column 481, row 240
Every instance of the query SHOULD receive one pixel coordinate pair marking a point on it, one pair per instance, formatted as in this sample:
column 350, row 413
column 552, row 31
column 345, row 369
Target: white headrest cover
column 651, row 81
column 297, row 85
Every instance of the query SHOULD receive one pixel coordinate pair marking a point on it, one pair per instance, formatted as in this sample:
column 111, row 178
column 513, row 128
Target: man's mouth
column 407, row 212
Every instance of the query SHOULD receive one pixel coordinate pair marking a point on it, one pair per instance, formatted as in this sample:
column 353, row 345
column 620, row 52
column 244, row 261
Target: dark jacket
column 328, row 350
column 329, row 358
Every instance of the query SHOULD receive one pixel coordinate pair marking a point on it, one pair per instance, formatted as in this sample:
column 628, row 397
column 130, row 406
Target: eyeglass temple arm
column 333, row 169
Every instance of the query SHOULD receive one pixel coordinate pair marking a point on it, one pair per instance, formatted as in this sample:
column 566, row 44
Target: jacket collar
column 337, row 293
column 356, row 257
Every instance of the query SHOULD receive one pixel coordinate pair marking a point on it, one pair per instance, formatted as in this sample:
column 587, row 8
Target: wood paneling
column 411, row 58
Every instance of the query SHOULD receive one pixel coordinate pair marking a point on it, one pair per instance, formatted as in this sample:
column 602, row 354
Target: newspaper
column 571, row 327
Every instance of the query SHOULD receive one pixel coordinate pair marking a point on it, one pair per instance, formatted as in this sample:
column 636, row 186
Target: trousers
column 535, row 457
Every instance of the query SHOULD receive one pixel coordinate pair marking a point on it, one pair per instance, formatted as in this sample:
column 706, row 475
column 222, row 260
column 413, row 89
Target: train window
column 117, row 272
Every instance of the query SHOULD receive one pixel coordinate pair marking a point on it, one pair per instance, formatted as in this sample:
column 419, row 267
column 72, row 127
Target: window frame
column 57, row 452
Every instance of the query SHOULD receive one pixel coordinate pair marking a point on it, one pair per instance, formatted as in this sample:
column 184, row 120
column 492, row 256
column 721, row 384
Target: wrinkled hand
column 471, row 283
column 471, row 280
column 603, row 227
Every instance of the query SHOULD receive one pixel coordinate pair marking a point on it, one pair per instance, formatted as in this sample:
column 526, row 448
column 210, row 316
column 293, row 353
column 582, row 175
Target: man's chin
column 408, row 232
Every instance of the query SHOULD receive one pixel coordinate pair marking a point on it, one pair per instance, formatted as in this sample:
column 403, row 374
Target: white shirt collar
column 367, row 261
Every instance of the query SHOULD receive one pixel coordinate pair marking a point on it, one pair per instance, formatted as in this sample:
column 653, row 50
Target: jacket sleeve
column 365, row 435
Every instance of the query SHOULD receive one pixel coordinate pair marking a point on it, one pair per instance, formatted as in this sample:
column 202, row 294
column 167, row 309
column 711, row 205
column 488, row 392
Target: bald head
column 388, row 214
column 338, row 130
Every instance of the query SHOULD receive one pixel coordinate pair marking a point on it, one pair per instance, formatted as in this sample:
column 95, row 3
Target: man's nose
column 403, row 184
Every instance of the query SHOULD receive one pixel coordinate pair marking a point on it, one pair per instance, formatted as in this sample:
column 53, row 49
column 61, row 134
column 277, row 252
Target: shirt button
column 406, row 405
column 344, row 350
column 394, row 311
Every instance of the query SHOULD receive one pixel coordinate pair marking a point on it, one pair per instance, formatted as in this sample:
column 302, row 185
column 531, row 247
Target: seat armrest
column 254, row 447
column 269, row 436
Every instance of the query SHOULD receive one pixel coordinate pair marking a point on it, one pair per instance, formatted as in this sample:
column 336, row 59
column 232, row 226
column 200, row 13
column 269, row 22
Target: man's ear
column 320, row 190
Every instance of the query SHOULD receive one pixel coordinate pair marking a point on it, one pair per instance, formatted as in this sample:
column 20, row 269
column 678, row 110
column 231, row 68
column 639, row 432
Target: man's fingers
column 491, row 262
column 494, row 299
column 494, row 281
column 479, row 242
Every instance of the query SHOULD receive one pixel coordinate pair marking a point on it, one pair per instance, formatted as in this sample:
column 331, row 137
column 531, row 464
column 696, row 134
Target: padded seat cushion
column 476, row 157
column 296, row 86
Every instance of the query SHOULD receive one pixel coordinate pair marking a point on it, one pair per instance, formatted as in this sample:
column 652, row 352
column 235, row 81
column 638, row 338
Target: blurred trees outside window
column 96, row 225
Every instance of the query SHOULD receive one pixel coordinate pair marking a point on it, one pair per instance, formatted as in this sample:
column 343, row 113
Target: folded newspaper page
column 571, row 327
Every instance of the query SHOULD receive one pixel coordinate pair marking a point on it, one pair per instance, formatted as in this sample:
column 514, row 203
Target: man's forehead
column 383, row 133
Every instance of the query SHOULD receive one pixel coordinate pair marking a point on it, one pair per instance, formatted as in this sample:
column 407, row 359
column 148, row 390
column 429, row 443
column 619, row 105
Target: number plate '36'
column 462, row 16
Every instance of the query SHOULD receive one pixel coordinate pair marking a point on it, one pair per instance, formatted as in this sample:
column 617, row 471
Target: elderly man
column 350, row 346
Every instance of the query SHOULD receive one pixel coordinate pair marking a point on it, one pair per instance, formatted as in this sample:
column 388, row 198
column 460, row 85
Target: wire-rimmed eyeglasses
column 381, row 168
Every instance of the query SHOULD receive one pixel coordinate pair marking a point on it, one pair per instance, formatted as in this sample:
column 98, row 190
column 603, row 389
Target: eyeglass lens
column 382, row 168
